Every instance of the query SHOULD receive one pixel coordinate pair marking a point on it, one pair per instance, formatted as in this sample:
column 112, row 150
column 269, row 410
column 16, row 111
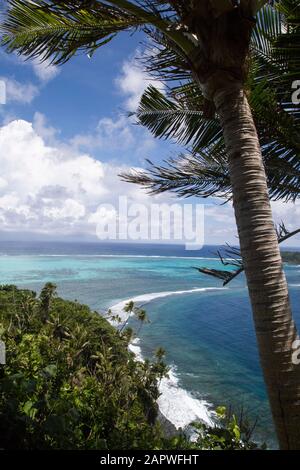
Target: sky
column 65, row 136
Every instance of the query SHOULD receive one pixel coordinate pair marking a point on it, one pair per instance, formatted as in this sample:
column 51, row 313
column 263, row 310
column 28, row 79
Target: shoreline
column 178, row 408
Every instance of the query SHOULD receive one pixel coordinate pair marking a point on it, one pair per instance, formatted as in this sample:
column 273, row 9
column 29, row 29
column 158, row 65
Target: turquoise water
column 208, row 334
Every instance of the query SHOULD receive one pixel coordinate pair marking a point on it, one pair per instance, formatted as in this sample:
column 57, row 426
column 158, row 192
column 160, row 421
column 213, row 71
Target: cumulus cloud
column 43, row 129
column 17, row 92
column 132, row 83
column 109, row 134
column 114, row 136
column 53, row 188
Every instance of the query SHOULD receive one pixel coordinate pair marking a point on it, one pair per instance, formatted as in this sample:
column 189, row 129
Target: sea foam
column 176, row 404
column 118, row 309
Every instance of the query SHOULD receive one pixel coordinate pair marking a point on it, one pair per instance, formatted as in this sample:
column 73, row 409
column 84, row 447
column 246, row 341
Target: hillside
column 69, row 382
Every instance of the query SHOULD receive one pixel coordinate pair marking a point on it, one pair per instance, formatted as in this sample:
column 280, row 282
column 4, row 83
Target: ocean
column 206, row 330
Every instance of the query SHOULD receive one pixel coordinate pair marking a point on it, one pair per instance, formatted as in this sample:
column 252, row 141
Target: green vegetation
column 71, row 383
column 238, row 59
column 291, row 257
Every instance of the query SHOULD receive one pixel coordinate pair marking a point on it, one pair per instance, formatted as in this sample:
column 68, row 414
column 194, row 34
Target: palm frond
column 167, row 118
column 187, row 176
column 58, row 29
column 280, row 140
column 203, row 171
column 267, row 29
column 276, row 45
column 181, row 113
column 40, row 29
column 163, row 60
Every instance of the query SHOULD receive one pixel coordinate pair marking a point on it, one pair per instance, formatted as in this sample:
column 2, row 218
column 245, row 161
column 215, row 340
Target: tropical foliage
column 71, row 383
column 211, row 41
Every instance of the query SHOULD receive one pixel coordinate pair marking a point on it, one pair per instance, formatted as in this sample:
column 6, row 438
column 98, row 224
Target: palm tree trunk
column 274, row 325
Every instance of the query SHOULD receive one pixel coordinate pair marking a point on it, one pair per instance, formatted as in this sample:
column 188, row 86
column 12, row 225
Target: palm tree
column 142, row 317
column 160, row 353
column 212, row 39
column 202, row 171
column 129, row 309
column 46, row 297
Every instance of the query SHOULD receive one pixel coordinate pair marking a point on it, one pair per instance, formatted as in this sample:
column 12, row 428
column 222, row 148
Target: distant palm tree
column 141, row 316
column 46, row 297
column 212, row 39
column 160, row 353
column 129, row 309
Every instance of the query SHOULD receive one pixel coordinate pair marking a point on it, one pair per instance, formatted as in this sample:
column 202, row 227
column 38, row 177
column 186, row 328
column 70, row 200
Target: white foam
column 175, row 403
column 117, row 309
column 179, row 406
column 133, row 347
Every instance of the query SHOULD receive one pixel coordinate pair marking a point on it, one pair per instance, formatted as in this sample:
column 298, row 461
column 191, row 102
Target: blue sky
column 64, row 138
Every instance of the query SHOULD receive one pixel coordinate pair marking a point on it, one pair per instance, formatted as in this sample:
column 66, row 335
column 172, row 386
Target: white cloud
column 26, row 92
column 45, row 71
column 17, row 92
column 70, row 209
column 109, row 134
column 289, row 214
column 132, row 83
column 50, row 187
column 220, row 221
column 3, row 183
column 53, row 188
column 42, row 128
column 112, row 135
column 103, row 214
column 220, row 225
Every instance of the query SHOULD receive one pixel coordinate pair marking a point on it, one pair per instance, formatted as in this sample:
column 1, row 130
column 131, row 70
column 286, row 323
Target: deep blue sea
column 206, row 330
